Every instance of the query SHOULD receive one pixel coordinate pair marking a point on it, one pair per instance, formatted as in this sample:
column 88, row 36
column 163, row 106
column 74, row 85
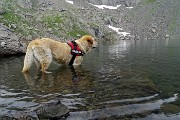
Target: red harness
column 75, row 51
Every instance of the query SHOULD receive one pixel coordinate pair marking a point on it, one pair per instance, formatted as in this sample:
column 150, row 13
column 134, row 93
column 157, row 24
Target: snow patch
column 106, row 6
column 129, row 7
column 69, row 1
column 118, row 29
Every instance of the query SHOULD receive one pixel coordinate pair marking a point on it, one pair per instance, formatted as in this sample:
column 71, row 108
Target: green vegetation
column 10, row 17
column 76, row 31
column 151, row 1
column 14, row 18
column 52, row 21
column 16, row 23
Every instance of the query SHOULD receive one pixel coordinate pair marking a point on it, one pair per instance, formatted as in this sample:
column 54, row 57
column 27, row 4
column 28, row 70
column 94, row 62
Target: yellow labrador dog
column 43, row 51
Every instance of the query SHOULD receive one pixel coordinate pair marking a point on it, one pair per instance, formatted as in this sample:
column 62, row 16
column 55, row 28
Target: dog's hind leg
column 37, row 63
column 46, row 63
column 44, row 67
column 28, row 60
column 44, row 56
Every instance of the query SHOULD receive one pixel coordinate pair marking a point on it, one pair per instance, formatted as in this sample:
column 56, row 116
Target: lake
column 118, row 80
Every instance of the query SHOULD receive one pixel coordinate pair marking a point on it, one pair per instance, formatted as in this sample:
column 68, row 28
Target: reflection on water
column 120, row 79
column 64, row 78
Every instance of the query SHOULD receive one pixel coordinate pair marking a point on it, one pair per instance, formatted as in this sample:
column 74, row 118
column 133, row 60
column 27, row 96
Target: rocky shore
column 53, row 110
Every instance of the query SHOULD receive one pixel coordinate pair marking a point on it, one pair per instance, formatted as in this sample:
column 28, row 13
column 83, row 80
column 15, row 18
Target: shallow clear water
column 118, row 80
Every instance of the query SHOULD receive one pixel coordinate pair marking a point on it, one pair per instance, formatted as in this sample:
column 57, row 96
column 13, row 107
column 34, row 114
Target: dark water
column 118, row 80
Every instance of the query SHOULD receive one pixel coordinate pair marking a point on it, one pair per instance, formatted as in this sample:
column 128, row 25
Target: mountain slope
column 54, row 18
column 154, row 19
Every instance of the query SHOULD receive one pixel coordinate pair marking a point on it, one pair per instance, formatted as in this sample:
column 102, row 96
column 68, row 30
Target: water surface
column 118, row 80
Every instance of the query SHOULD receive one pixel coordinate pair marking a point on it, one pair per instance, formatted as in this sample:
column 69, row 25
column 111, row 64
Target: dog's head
column 87, row 43
column 90, row 40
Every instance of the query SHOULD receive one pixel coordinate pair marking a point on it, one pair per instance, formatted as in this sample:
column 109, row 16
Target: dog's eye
column 90, row 41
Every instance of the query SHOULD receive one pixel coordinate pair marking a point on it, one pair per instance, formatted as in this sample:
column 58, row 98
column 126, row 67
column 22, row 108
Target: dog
column 43, row 51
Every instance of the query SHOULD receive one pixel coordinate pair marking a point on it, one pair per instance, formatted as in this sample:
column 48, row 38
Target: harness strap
column 72, row 60
column 75, row 51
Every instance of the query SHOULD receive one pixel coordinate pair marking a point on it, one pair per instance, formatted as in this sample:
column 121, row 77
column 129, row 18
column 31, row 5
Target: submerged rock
column 53, row 110
column 19, row 115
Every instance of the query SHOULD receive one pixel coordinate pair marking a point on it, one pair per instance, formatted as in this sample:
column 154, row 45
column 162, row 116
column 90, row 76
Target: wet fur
column 43, row 51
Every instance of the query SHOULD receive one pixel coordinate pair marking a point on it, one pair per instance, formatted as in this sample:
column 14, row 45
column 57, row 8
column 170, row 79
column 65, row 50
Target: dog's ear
column 88, row 38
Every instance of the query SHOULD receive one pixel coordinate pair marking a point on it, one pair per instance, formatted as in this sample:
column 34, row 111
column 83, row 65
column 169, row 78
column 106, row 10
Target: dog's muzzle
column 95, row 46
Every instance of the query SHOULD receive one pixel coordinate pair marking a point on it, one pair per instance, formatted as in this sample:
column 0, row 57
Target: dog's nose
column 95, row 45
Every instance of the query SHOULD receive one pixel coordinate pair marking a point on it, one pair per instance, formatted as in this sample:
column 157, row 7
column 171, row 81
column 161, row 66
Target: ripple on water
column 122, row 110
column 10, row 100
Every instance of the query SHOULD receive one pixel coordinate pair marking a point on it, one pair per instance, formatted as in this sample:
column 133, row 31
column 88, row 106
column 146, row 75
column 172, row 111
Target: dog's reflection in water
column 75, row 77
column 61, row 79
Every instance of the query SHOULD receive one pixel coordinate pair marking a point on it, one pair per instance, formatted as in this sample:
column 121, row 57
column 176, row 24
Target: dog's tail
column 28, row 60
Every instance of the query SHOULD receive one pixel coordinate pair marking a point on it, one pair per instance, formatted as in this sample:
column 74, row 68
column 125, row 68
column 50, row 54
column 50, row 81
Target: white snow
column 69, row 1
column 3, row 44
column 117, row 30
column 129, row 7
column 106, row 6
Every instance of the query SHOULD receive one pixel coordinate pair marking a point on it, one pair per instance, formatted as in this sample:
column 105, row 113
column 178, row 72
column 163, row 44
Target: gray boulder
column 53, row 110
column 10, row 43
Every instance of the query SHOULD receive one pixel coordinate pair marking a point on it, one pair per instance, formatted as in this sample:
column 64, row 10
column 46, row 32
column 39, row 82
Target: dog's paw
column 46, row 72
